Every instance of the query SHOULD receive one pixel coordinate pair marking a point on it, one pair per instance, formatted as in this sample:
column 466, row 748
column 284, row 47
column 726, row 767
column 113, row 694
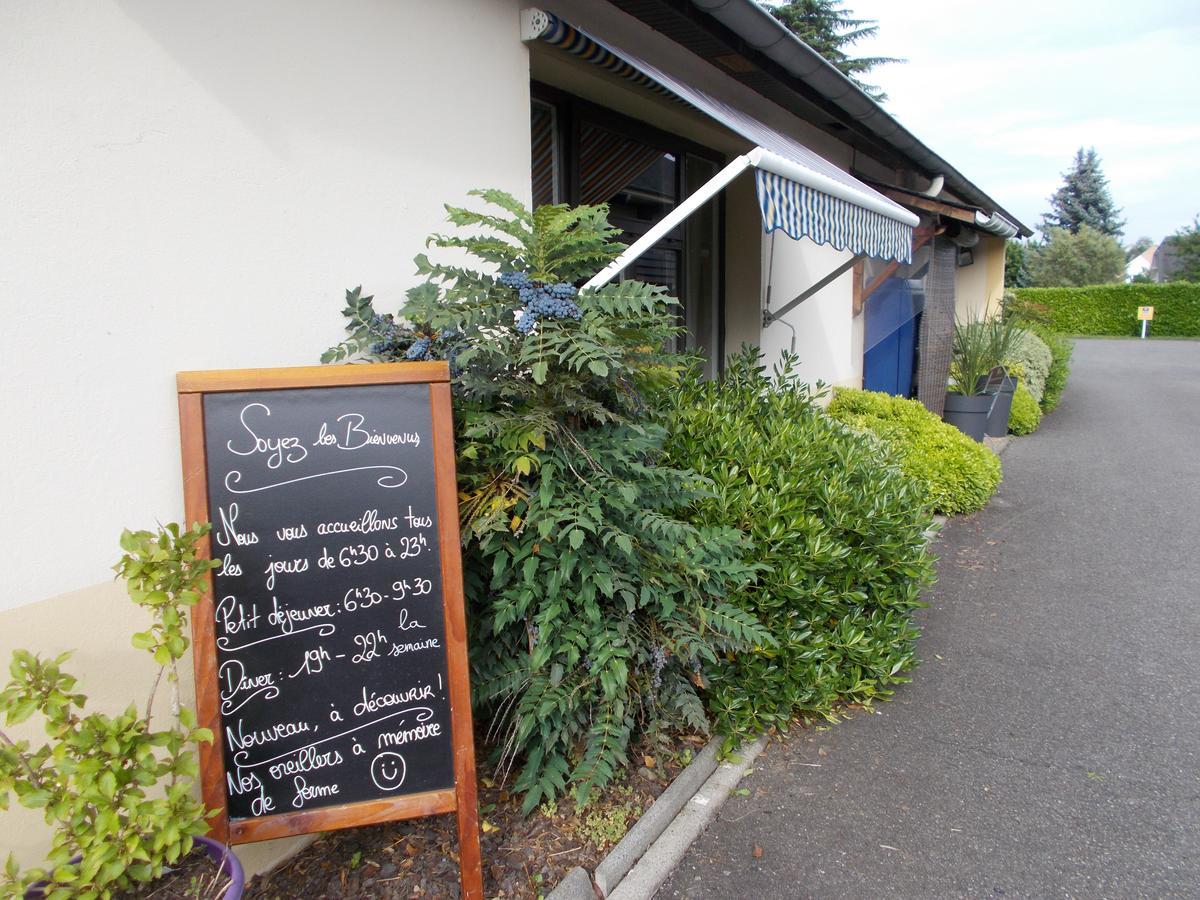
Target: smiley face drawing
column 388, row 770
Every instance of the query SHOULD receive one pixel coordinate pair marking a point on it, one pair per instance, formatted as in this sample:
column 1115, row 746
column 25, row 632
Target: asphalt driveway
column 1049, row 745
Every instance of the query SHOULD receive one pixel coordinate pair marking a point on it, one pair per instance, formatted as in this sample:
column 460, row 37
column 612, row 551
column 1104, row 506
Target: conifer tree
column 828, row 28
column 1184, row 247
column 1084, row 199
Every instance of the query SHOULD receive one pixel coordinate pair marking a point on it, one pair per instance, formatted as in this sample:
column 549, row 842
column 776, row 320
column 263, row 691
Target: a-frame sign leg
column 457, row 667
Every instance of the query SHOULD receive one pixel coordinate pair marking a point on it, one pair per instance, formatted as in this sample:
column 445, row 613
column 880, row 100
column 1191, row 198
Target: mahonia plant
column 595, row 608
column 96, row 778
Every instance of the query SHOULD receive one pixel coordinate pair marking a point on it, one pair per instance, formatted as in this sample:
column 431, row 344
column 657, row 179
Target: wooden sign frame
column 460, row 799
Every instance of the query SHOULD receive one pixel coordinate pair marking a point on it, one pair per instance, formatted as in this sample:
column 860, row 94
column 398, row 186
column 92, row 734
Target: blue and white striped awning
column 800, row 211
column 799, row 192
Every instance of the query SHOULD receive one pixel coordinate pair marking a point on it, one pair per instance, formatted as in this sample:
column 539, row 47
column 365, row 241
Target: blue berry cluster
column 419, row 349
column 396, row 341
column 389, row 334
column 659, row 662
column 541, row 300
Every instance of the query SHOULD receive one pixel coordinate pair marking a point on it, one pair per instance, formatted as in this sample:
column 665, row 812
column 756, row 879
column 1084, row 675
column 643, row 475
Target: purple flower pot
column 224, row 857
column 219, row 853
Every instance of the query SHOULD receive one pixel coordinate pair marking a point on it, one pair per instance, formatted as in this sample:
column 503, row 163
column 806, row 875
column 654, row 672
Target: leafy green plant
column 1025, row 415
column 838, row 532
column 603, row 824
column 93, row 779
column 594, row 604
column 1029, row 353
column 1111, row 309
column 979, row 347
column 958, row 474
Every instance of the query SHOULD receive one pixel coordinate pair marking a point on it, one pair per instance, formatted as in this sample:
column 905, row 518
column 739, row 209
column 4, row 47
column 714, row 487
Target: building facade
column 193, row 186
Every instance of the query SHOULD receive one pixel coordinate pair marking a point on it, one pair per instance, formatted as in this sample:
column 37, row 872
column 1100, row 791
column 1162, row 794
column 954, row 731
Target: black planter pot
column 968, row 414
column 997, row 423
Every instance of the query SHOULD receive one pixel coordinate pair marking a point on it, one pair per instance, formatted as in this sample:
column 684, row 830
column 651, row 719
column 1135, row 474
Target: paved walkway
column 1049, row 745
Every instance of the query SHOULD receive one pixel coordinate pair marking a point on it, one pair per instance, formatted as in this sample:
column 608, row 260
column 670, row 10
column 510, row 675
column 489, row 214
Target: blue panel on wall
column 891, row 336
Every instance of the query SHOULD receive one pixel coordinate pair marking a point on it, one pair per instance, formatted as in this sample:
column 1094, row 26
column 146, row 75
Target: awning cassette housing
column 799, row 192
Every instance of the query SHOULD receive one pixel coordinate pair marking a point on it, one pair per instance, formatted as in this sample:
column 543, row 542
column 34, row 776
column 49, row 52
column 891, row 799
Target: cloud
column 1007, row 94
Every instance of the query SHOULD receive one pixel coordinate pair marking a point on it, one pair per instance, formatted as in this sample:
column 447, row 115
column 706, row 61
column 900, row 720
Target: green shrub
column 958, row 474
column 979, row 346
column 1030, row 353
column 118, row 793
column 839, row 532
column 1025, row 415
column 592, row 602
column 1111, row 309
column 1060, row 366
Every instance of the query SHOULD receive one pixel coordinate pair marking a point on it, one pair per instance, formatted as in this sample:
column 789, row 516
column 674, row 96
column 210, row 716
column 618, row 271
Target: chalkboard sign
column 330, row 652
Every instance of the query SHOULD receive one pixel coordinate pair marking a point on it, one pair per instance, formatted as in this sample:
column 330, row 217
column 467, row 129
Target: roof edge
column 770, row 37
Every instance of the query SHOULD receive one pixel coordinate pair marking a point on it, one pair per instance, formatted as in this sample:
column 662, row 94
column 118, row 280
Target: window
column 585, row 154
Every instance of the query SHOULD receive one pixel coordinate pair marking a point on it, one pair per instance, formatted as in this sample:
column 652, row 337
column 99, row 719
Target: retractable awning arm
column 765, row 161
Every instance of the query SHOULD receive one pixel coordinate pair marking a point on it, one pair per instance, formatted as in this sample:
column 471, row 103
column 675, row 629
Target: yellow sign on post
column 1145, row 313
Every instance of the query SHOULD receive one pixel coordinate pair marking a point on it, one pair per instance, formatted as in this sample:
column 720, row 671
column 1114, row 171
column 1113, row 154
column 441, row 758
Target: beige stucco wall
column 979, row 287
column 189, row 186
column 194, row 186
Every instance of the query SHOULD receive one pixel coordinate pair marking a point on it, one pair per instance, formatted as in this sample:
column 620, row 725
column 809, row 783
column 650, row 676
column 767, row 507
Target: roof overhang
column 993, row 223
column 756, row 49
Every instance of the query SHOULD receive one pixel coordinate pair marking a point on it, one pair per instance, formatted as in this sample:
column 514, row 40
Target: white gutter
column 762, row 31
column 995, row 224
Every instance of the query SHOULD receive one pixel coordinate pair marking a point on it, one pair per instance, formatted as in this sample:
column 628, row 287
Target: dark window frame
column 572, row 112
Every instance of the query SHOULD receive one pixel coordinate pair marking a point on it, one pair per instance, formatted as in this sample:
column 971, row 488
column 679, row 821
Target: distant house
column 1140, row 264
column 1166, row 264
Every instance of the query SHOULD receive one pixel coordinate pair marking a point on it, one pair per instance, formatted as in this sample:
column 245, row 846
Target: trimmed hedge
column 1111, row 309
column 958, row 474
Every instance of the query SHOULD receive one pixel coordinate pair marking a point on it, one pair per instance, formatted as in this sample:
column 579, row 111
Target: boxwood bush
column 1025, row 415
column 1111, row 309
column 1030, row 353
column 838, row 530
column 1060, row 365
column 957, row 474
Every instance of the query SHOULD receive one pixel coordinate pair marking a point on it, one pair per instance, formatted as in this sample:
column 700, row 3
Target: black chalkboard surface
column 331, row 659
column 330, row 646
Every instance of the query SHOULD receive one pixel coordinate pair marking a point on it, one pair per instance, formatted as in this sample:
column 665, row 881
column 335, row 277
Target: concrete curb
column 934, row 531
column 997, row 445
column 660, row 860
column 656, row 819
column 701, row 783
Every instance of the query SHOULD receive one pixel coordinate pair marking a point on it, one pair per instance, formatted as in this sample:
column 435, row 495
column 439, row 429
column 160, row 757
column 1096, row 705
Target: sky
column 1006, row 92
